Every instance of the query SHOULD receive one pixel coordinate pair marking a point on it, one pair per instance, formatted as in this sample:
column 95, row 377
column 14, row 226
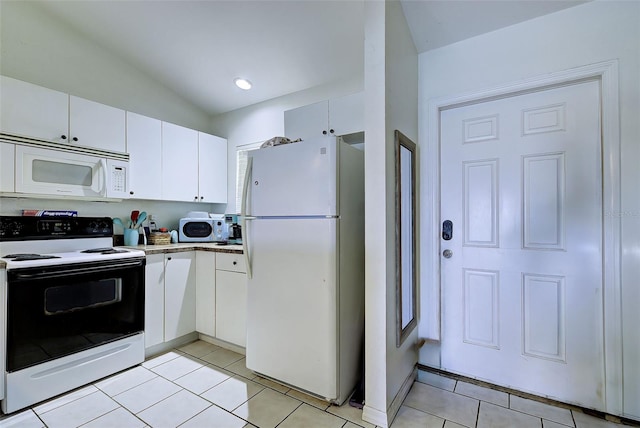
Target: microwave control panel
column 118, row 177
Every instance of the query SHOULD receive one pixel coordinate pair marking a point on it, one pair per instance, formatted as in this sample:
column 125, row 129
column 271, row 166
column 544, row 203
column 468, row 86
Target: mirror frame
column 403, row 143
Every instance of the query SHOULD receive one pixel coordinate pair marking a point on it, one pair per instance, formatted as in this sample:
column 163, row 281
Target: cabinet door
column 206, row 292
column 307, row 122
column 346, row 114
column 96, row 125
column 144, row 145
column 212, row 168
column 179, row 295
column 179, row 160
column 3, row 304
column 154, row 300
column 7, row 167
column 33, row 111
column 231, row 307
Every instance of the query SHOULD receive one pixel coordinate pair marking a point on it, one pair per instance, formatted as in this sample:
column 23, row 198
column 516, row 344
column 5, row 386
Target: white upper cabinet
column 307, row 121
column 346, row 114
column 212, row 168
column 96, row 125
column 194, row 165
column 179, row 163
column 339, row 116
column 33, row 111
column 144, row 145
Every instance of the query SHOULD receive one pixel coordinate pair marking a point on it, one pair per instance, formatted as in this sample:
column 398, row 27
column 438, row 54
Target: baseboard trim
column 384, row 419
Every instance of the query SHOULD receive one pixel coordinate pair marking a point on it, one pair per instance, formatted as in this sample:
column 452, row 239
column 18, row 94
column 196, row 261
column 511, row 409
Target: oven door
column 55, row 311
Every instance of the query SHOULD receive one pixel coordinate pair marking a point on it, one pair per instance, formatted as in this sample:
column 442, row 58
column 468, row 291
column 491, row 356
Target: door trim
column 607, row 74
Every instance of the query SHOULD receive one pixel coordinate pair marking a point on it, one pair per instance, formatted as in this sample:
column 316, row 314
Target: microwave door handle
column 103, row 187
column 243, row 214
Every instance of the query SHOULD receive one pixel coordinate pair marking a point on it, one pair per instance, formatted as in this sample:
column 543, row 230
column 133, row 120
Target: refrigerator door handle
column 243, row 214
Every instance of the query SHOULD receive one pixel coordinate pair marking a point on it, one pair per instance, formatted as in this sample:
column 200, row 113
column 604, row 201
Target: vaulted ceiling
column 197, row 48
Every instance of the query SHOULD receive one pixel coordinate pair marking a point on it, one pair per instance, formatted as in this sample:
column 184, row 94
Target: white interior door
column 522, row 289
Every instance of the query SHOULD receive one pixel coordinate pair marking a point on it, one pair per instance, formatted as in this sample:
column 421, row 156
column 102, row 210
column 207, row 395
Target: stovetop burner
column 25, row 257
column 107, row 250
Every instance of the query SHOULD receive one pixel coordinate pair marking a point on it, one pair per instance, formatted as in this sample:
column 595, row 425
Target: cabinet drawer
column 231, row 262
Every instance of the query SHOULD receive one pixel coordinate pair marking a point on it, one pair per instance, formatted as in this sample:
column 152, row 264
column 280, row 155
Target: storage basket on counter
column 159, row 238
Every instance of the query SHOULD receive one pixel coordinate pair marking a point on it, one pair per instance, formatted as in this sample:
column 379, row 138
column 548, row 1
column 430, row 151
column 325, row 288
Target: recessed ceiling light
column 243, row 83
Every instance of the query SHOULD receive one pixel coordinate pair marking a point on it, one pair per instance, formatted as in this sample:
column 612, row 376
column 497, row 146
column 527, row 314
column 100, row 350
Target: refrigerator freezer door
column 292, row 303
column 298, row 179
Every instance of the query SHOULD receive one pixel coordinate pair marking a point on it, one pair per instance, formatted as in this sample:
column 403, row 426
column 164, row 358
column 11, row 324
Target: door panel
column 522, row 294
column 295, row 179
column 292, row 302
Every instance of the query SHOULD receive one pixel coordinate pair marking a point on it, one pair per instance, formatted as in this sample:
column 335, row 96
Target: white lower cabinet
column 3, row 314
column 206, row 293
column 154, row 300
column 192, row 291
column 231, row 299
column 179, row 294
column 170, row 302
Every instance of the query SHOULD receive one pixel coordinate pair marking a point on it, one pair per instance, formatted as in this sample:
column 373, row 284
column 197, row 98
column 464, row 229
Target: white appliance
column 81, row 172
column 74, row 308
column 303, row 211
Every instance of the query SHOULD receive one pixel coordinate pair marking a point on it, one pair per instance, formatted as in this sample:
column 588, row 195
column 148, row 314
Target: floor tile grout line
column 559, row 423
column 291, row 413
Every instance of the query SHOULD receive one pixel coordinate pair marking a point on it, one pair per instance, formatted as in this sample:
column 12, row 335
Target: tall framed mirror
column 406, row 287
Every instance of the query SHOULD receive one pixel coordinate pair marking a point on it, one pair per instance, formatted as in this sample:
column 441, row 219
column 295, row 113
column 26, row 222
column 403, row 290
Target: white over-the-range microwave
column 69, row 171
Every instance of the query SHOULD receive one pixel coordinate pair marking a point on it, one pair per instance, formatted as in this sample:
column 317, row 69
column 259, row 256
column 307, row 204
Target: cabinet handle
column 75, row 138
column 131, row 192
column 324, row 132
column 331, row 131
column 235, row 262
column 168, row 258
column 195, row 198
column 64, row 137
column 201, row 197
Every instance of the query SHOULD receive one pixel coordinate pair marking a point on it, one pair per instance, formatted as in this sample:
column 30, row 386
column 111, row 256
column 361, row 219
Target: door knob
column 447, row 254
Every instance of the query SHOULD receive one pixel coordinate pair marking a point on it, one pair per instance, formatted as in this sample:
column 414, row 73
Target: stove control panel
column 21, row 228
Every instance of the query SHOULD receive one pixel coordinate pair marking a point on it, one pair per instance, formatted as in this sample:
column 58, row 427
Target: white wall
column 40, row 49
column 391, row 103
column 167, row 214
column 265, row 120
column 402, row 114
column 586, row 34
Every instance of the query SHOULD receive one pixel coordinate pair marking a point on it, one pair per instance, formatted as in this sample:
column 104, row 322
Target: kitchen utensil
column 141, row 218
column 117, row 221
column 134, row 217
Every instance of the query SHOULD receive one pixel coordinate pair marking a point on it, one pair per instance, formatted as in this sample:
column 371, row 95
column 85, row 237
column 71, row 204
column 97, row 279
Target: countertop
column 177, row 248
column 200, row 246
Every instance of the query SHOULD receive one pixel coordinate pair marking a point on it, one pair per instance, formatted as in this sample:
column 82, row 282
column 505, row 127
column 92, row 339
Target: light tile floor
column 202, row 385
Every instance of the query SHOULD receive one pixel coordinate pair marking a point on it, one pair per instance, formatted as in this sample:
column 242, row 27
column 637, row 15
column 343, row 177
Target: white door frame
column 607, row 74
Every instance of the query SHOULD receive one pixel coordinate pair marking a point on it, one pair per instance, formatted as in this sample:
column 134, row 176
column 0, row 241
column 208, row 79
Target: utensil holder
column 131, row 237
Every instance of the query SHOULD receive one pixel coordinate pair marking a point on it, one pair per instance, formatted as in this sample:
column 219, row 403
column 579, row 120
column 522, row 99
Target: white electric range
column 74, row 306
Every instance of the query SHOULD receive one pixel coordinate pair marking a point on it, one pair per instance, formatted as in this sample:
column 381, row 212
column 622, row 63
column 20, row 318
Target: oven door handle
column 19, row 276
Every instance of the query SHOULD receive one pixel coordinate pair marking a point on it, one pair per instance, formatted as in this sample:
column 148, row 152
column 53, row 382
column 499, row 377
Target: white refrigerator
column 303, row 213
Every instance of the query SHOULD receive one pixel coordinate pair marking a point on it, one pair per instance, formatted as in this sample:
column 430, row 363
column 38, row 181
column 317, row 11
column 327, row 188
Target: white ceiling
column 197, row 48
